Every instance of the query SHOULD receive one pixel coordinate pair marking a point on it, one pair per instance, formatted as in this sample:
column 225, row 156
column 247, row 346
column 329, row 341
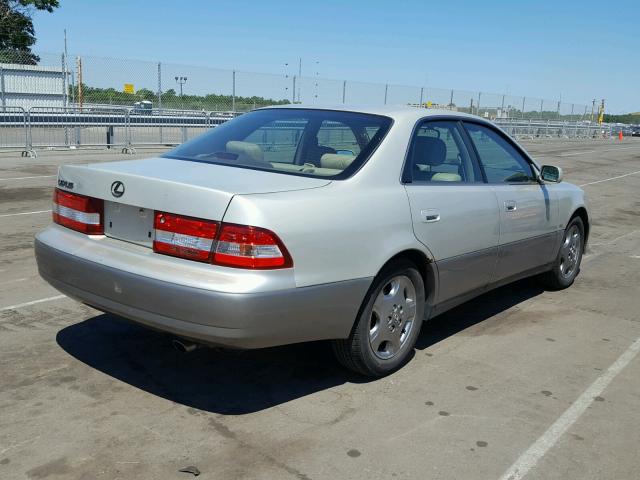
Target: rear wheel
column 388, row 324
column 567, row 263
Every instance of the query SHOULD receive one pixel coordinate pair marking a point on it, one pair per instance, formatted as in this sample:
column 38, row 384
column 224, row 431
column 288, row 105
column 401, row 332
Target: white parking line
column 609, row 179
column 575, row 153
column 24, row 213
column 535, row 452
column 27, row 178
column 33, row 302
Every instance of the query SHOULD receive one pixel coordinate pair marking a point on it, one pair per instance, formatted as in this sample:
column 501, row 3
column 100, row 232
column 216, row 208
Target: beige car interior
column 429, row 153
column 330, row 163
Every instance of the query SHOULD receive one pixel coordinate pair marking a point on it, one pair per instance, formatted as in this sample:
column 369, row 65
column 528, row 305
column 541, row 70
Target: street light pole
column 181, row 81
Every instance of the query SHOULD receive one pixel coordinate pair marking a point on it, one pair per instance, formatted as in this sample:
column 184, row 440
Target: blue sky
column 578, row 49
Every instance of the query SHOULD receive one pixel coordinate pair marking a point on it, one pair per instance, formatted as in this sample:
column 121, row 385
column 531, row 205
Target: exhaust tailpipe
column 184, row 346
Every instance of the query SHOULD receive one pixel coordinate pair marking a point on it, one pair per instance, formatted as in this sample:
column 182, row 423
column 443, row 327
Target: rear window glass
column 316, row 143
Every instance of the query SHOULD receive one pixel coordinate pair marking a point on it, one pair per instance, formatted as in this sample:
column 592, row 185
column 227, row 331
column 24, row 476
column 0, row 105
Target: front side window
column 437, row 154
column 316, row 143
column 501, row 162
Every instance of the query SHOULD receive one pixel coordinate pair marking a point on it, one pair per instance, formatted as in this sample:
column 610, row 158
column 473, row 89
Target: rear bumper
column 241, row 320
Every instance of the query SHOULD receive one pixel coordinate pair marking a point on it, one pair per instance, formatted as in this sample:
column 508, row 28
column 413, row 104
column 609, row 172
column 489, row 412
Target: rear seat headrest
column 245, row 150
column 336, row 161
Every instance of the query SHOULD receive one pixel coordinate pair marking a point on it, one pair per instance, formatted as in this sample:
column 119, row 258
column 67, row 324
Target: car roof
column 396, row 112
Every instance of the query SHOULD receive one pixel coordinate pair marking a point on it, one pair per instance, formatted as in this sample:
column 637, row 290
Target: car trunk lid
column 134, row 189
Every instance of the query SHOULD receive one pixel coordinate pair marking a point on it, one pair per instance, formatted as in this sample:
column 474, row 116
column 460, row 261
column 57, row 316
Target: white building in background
column 29, row 86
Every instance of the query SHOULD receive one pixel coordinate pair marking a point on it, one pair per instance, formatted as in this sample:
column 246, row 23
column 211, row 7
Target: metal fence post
column 421, row 95
column 159, row 85
column 386, row 89
column 28, row 150
column 233, row 92
column 160, row 133
column 128, row 148
column 4, row 100
column 478, row 106
column 344, row 91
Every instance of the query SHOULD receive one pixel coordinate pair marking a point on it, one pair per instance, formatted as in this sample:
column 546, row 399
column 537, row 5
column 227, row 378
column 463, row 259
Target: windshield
column 315, row 143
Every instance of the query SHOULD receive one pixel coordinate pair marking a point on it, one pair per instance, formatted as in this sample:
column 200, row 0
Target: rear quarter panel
column 334, row 233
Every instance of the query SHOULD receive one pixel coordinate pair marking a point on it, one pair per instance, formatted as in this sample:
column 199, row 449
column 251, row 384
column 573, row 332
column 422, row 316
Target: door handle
column 430, row 215
column 510, row 206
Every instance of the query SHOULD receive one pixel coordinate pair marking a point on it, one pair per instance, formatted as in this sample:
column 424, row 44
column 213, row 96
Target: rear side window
column 438, row 154
column 315, row 143
column 501, row 162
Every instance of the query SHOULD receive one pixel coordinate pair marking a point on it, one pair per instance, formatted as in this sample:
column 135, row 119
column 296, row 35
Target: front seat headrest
column 429, row 151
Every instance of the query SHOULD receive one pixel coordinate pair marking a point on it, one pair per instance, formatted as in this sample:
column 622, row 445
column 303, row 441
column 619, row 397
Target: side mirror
column 550, row 173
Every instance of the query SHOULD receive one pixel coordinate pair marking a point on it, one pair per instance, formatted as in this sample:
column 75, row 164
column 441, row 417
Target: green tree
column 17, row 34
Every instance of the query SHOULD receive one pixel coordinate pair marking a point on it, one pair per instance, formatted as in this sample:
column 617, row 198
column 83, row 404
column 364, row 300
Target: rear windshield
column 314, row 143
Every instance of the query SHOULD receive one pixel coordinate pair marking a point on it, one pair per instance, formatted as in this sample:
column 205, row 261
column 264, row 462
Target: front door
column 455, row 214
column 528, row 209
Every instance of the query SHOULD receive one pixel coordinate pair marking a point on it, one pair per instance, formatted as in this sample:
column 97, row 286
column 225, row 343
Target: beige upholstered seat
column 335, row 161
column 246, row 151
column 446, row 177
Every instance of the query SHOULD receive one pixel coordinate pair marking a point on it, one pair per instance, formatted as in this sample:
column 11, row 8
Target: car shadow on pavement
column 240, row 382
column 476, row 311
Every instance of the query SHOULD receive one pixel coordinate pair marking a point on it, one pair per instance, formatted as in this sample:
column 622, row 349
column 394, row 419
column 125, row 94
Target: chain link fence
column 83, row 101
column 96, row 81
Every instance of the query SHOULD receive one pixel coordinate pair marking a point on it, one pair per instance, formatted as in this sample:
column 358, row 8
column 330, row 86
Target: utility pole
column 293, row 98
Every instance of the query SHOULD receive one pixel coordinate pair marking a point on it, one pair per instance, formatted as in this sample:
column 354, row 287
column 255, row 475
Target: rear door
column 455, row 214
column 528, row 209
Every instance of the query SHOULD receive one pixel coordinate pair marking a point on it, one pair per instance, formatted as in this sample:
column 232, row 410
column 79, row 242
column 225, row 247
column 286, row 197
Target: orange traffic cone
column 620, row 135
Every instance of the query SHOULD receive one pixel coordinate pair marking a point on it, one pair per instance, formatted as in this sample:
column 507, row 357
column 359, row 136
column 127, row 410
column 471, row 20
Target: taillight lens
column 78, row 212
column 250, row 247
column 184, row 237
column 224, row 244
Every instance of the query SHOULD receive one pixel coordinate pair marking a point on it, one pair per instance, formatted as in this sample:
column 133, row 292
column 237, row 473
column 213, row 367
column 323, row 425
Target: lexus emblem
column 117, row 189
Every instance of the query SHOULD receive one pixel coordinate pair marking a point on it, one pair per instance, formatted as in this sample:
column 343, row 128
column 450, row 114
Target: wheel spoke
column 378, row 337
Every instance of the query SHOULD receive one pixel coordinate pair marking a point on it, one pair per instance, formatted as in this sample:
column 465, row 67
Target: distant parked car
column 635, row 132
column 142, row 107
column 293, row 224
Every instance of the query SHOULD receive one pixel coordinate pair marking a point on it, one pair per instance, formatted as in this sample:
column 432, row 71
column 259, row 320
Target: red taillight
column 78, row 212
column 184, row 237
column 229, row 245
column 250, row 247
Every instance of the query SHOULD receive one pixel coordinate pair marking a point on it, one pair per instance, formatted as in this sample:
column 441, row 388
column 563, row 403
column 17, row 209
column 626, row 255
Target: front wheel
column 388, row 325
column 567, row 263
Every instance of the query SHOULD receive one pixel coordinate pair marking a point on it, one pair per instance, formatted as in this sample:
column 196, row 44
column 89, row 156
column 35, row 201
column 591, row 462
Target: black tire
column 559, row 277
column 357, row 352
